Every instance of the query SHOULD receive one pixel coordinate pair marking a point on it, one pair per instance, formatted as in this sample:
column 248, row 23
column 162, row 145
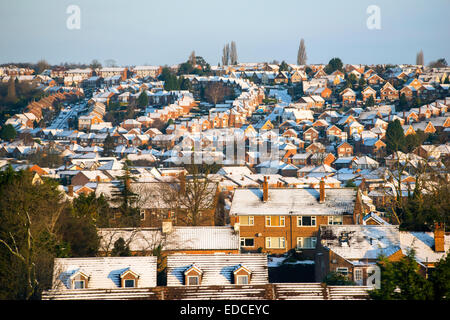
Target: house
column 344, row 150
column 368, row 92
column 353, row 250
column 217, row 270
column 388, row 92
column 276, row 220
column 310, row 135
column 80, row 278
column 348, row 96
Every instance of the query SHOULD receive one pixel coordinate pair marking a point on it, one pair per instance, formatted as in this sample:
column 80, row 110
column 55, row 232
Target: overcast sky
column 134, row 32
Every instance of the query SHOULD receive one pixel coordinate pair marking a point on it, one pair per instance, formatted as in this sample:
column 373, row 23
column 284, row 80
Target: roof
column 104, row 272
column 293, row 202
column 217, row 268
column 181, row 238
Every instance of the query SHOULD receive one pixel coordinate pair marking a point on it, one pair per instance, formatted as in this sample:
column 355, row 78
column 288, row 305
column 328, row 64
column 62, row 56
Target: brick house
column 276, row 220
column 344, row 150
column 367, row 92
column 388, row 92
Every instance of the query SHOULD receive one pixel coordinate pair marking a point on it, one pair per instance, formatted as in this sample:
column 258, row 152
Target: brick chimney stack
column 182, row 183
column 70, row 192
column 322, row 191
column 439, row 236
column 265, row 189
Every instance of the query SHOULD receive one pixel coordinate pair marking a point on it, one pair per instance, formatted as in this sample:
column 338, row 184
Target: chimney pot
column 439, row 237
column 265, row 189
column 322, row 191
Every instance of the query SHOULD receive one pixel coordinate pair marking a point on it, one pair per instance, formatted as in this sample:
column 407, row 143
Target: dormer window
column 193, row 276
column 242, row 275
column 79, row 280
column 129, row 279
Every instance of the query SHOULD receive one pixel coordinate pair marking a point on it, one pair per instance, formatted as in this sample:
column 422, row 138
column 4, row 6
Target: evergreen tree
column 284, row 66
column 8, row 133
column 370, row 102
column 395, row 137
column 108, row 146
column 440, row 278
column 121, row 249
column 333, row 65
column 402, row 103
column 142, row 100
column 11, row 95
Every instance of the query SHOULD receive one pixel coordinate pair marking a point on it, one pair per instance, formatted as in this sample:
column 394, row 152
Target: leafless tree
column 215, row 92
column 192, row 59
column 419, row 58
column 301, row 55
column 226, row 55
column 233, row 53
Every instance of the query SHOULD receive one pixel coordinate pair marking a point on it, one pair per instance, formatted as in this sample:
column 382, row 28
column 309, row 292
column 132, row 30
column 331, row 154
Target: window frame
column 243, row 239
column 241, row 276
column 359, row 272
column 188, row 280
column 281, row 218
column 251, row 221
column 269, row 240
column 300, row 221
column 302, row 241
column 79, row 281
column 341, row 271
column 331, row 218
column 125, row 283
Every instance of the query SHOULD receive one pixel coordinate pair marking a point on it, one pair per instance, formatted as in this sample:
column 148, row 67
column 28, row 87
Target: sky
column 137, row 32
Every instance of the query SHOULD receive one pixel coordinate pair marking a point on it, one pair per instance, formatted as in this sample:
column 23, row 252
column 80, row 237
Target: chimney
column 97, row 179
column 128, row 183
column 70, row 192
column 182, row 183
column 322, row 191
column 265, row 189
column 167, row 226
column 439, row 236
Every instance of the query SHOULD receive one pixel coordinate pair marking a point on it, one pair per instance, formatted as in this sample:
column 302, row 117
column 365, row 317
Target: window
column 358, row 275
column 247, row 242
column 335, row 220
column 129, row 283
column 306, row 242
column 246, row 220
column 343, row 271
column 241, row 279
column 192, row 280
column 78, row 284
column 275, row 242
column 142, row 214
column 306, row 221
column 274, row 221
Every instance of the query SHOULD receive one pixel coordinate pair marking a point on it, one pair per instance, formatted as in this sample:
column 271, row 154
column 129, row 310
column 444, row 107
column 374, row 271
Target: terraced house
column 275, row 220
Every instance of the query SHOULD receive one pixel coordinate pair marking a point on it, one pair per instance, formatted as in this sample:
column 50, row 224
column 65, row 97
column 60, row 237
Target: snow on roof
column 292, row 202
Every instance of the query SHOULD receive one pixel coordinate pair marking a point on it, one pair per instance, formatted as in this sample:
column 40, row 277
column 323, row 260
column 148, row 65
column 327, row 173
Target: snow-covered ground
column 281, row 94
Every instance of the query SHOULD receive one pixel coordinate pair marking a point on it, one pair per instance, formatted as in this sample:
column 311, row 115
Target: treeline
column 38, row 223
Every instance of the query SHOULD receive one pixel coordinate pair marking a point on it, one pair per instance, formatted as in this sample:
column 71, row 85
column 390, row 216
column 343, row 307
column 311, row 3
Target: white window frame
column 358, row 276
column 331, row 220
column 125, row 281
column 300, row 221
column 242, row 277
column 280, row 240
column 301, row 242
column 81, row 281
column 269, row 221
column 188, row 280
column 142, row 214
column 251, row 221
column 242, row 240
column 341, row 271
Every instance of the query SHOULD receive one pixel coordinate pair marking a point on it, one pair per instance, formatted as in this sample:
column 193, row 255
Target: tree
column 402, row 103
column 333, row 65
column 121, row 249
column 440, row 63
column 301, row 55
column 214, row 92
column 142, row 100
column 8, row 133
column 370, row 102
column 108, row 146
column 233, row 53
column 419, row 58
column 41, row 65
column 400, row 280
column 125, row 200
column 95, row 64
column 337, row 279
column 110, row 63
column 192, row 60
column 395, row 137
column 440, row 278
column 284, row 66
column 226, row 55
column 11, row 95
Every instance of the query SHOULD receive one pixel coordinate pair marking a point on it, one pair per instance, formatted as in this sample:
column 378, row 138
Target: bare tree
column 214, row 92
column 419, row 58
column 233, row 53
column 226, row 55
column 301, row 55
column 192, row 59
